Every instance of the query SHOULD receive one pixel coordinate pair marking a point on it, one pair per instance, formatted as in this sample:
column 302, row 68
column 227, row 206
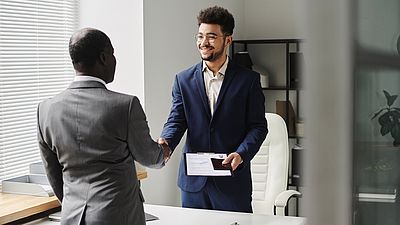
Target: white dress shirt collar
column 88, row 78
column 221, row 70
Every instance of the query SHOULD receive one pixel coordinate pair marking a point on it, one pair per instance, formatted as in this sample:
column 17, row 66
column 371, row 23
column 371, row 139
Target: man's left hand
column 234, row 159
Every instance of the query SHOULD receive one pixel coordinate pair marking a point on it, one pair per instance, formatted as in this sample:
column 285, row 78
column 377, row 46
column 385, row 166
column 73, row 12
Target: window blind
column 34, row 65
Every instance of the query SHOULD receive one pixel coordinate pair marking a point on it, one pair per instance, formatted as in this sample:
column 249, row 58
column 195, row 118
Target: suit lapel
column 198, row 75
column 229, row 75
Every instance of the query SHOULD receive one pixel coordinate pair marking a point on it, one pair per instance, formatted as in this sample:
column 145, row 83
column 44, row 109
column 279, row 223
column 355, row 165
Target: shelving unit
column 287, row 88
column 288, row 46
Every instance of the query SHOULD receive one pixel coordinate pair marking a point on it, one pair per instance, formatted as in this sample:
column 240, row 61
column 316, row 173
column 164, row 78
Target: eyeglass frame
column 209, row 37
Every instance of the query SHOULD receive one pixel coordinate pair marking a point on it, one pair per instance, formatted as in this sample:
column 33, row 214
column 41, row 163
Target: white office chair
column 270, row 170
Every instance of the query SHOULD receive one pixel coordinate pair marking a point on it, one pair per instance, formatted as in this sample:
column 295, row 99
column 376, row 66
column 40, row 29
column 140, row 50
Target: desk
column 169, row 215
column 14, row 207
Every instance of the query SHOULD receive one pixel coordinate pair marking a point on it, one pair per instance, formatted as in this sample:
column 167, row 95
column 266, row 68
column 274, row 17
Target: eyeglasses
column 209, row 37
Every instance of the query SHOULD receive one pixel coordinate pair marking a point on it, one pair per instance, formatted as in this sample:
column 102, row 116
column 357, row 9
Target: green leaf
column 385, row 119
column 396, row 115
column 389, row 98
column 385, row 129
column 386, row 123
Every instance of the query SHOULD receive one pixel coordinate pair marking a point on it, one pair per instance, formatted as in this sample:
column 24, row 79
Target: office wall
column 271, row 19
column 123, row 23
column 153, row 40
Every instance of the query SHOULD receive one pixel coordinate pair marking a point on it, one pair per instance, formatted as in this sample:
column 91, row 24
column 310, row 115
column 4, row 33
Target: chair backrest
column 270, row 166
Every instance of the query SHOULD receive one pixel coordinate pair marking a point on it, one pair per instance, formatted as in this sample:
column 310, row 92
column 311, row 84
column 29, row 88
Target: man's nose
column 204, row 42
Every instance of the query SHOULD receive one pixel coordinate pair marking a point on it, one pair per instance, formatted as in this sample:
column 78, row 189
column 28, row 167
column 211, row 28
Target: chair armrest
column 282, row 200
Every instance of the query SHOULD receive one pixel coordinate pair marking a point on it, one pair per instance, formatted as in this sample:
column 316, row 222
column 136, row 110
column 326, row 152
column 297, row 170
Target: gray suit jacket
column 89, row 138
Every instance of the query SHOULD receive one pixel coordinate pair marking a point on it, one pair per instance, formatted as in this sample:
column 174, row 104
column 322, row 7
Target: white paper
column 46, row 188
column 199, row 164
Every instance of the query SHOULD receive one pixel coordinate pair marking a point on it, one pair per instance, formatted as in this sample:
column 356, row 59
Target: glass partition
column 377, row 113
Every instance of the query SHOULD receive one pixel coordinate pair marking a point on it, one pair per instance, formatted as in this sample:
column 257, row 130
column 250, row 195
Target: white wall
column 123, row 23
column 153, row 40
column 271, row 19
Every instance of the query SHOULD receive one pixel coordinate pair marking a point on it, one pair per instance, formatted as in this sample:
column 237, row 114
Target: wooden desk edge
column 25, row 211
column 47, row 204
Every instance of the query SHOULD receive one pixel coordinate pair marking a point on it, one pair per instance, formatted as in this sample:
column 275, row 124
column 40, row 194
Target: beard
column 215, row 55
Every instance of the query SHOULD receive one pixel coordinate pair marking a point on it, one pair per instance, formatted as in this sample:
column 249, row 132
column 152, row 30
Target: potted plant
column 389, row 118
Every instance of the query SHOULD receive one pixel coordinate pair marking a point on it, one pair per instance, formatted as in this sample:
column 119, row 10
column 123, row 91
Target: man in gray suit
column 89, row 138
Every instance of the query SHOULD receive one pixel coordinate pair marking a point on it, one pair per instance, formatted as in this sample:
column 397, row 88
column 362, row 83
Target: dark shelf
column 269, row 41
column 295, row 136
column 280, row 88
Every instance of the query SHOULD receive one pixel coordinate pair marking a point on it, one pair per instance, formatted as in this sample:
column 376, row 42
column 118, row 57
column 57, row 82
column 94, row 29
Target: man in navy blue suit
column 221, row 106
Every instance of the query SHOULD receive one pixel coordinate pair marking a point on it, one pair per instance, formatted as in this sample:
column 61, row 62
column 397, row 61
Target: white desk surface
column 169, row 215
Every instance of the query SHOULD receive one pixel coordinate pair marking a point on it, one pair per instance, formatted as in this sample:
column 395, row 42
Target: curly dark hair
column 86, row 46
column 217, row 15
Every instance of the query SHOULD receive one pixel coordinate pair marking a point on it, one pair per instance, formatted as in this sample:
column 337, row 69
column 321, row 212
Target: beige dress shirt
column 213, row 83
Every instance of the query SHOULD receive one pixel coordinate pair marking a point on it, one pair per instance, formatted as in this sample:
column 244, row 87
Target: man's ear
column 102, row 58
column 228, row 40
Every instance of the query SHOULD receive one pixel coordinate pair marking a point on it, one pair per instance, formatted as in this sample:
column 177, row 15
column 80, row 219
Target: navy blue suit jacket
column 237, row 125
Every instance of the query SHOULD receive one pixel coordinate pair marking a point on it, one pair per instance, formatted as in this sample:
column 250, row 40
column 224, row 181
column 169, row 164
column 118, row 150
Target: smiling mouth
column 205, row 49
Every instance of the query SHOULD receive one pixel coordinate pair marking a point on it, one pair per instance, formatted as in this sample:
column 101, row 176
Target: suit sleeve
column 176, row 124
column 51, row 163
column 256, row 123
column 144, row 149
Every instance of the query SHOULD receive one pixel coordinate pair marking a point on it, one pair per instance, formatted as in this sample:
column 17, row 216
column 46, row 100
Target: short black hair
column 86, row 45
column 217, row 15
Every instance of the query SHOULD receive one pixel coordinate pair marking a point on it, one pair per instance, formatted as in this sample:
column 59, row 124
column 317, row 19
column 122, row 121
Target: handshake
column 166, row 149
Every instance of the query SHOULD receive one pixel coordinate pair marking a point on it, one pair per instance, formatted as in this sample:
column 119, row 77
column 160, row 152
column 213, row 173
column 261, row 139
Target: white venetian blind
column 34, row 65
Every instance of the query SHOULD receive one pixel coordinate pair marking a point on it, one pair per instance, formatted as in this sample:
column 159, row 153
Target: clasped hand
column 166, row 149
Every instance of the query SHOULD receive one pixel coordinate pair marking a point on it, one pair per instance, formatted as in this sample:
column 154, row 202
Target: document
column 206, row 164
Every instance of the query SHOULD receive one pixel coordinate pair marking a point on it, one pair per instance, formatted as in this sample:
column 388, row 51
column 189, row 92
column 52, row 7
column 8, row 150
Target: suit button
column 212, row 129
